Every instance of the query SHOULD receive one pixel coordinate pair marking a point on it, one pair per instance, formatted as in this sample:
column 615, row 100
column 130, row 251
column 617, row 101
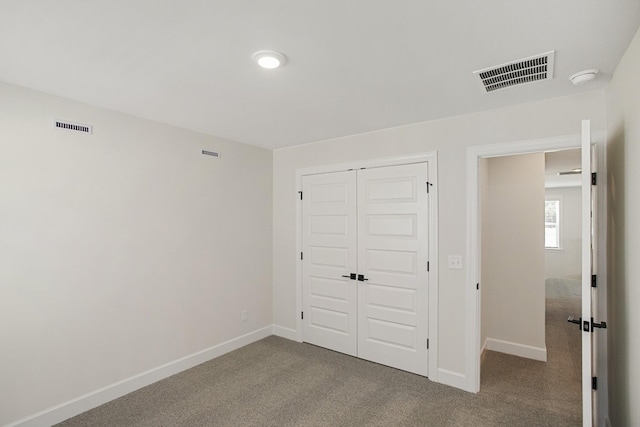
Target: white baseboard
column 483, row 351
column 98, row 397
column 515, row 349
column 453, row 379
column 288, row 333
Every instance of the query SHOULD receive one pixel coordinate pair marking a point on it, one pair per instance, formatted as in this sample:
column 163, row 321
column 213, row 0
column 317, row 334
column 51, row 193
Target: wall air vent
column 77, row 127
column 210, row 153
column 527, row 70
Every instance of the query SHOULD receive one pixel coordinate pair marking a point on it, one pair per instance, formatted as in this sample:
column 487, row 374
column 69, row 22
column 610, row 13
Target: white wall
column 623, row 157
column 566, row 262
column 512, row 283
column 120, row 251
column 450, row 137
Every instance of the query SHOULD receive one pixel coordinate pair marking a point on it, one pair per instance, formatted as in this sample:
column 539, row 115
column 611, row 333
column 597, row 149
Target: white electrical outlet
column 244, row 315
column 455, row 262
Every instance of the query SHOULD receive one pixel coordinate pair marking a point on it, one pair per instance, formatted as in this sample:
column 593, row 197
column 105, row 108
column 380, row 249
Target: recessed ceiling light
column 269, row 59
column 583, row 76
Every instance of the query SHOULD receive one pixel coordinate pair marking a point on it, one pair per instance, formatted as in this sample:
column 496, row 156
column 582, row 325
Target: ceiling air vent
column 527, row 70
column 78, row 127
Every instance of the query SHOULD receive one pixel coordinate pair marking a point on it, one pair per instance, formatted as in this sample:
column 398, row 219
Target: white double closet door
column 365, row 275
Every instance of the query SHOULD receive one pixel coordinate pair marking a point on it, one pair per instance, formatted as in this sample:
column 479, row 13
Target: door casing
column 431, row 159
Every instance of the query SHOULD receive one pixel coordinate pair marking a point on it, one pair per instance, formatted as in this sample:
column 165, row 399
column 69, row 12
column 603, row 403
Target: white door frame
column 472, row 322
column 432, row 159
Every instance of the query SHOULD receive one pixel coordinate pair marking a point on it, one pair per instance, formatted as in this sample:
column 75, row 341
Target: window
column 552, row 224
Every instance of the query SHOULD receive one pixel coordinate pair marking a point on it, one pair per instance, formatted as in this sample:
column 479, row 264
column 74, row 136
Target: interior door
column 329, row 258
column 392, row 266
column 590, row 326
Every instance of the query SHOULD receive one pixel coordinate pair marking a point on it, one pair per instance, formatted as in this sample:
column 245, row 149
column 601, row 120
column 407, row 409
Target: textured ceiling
column 353, row 66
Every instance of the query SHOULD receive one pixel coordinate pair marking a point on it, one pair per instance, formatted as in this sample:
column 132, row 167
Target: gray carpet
column 277, row 382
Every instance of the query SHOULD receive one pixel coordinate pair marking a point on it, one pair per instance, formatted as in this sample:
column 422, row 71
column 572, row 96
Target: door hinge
column 301, row 256
column 302, row 314
column 594, row 178
column 594, row 281
column 594, row 383
column 427, row 265
column 429, row 185
column 478, row 286
column 427, row 343
column 300, row 192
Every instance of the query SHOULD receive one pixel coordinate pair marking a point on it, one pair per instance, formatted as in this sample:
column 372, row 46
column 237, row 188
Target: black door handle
column 577, row 322
column 585, row 327
column 602, row 325
column 361, row 277
column 351, row 276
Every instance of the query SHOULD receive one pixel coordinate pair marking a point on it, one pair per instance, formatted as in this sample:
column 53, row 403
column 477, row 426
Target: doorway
column 530, row 272
column 474, row 250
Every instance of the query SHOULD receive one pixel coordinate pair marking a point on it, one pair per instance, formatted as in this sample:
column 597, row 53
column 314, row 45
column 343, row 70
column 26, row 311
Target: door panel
column 391, row 262
column 330, row 321
column 403, row 306
column 328, row 225
column 391, row 297
column 334, row 289
column 390, row 189
column 391, row 334
column 329, row 248
column 323, row 256
column 396, row 226
column 392, row 256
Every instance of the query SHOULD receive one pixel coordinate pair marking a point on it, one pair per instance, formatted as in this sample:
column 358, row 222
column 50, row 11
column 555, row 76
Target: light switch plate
column 455, row 262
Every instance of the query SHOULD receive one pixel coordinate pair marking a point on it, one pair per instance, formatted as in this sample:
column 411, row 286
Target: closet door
column 329, row 248
column 392, row 259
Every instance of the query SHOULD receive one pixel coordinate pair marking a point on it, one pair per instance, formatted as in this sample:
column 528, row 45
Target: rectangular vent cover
column 210, row 153
column 527, row 70
column 77, row 127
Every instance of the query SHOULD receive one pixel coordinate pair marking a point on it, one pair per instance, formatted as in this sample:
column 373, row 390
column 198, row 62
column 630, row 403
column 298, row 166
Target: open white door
column 589, row 326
